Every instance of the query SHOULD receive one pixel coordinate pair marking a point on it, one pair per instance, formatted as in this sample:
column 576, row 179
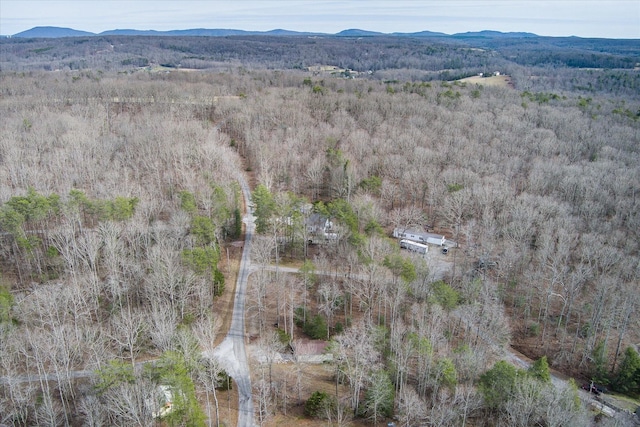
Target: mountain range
column 57, row 32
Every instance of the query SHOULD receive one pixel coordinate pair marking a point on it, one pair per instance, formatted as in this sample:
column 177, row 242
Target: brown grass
column 500, row 81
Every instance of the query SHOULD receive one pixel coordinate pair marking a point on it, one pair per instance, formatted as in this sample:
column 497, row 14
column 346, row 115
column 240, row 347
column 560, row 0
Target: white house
column 419, row 236
column 318, row 224
column 320, row 229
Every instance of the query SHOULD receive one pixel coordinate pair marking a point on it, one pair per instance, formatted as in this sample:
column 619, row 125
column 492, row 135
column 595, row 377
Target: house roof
column 316, row 220
column 420, row 233
column 309, row 348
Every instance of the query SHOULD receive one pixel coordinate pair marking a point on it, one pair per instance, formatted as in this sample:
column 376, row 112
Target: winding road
column 231, row 353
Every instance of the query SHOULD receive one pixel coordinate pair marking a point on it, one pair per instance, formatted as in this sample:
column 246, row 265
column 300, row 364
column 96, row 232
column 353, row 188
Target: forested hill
column 55, row 32
column 119, row 202
column 589, row 66
column 121, row 221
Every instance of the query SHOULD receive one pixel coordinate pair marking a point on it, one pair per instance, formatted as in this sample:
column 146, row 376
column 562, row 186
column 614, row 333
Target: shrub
column 445, row 295
column 283, row 336
column 188, row 202
column 225, row 382
column 318, row 404
column 338, row 328
column 316, row 328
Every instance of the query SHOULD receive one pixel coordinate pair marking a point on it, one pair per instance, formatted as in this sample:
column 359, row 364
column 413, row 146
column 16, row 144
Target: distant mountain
column 52, row 32
column 354, row 32
column 204, row 32
column 130, row 32
column 190, row 32
column 487, row 33
column 421, row 34
column 280, row 32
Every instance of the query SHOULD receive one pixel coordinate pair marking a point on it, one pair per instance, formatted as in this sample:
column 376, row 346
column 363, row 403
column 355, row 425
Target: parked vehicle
column 594, row 388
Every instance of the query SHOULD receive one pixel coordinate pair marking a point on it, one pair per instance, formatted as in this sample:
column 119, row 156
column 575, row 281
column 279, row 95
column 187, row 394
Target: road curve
column 231, row 352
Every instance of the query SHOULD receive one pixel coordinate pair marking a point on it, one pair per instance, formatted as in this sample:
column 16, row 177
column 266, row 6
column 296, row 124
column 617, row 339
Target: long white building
column 419, row 236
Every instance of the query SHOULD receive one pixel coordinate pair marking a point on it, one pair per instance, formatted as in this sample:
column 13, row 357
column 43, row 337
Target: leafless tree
column 412, row 410
column 329, row 294
column 162, row 327
column 94, row 413
column 132, row 403
column 356, row 357
column 127, row 328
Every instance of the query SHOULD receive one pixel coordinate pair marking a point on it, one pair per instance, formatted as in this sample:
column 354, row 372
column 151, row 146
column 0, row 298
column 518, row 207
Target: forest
column 121, row 210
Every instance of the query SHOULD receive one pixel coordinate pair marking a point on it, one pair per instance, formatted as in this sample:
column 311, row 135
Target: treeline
column 556, row 63
column 571, row 52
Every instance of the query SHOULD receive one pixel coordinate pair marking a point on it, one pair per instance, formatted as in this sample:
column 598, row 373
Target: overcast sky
column 583, row 18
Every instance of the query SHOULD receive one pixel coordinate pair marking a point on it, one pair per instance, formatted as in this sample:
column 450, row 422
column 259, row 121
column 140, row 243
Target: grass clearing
column 500, row 81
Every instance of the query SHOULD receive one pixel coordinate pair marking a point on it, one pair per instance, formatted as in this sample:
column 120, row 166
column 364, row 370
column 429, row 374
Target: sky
column 582, row 18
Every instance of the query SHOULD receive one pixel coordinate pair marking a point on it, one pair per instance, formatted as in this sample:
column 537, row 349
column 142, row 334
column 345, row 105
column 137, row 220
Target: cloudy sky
column 583, row 18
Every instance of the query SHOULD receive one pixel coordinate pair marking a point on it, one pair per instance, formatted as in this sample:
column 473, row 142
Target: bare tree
column 209, row 373
column 127, row 328
column 355, row 356
column 132, row 403
column 95, row 414
column 412, row 410
column 329, row 293
column 162, row 326
column 521, row 409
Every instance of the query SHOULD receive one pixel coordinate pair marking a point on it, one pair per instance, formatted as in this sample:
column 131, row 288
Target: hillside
column 52, row 32
column 585, row 66
column 121, row 224
column 55, row 32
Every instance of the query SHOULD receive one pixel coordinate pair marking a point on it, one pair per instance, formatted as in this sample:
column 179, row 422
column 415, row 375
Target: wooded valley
column 120, row 202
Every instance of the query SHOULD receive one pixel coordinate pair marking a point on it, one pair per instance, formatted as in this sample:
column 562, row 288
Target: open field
column 498, row 81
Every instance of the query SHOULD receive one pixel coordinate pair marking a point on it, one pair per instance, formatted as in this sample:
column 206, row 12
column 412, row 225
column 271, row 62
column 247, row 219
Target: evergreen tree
column 497, row 384
column 540, row 370
column 264, row 207
column 318, row 404
column 627, row 379
column 599, row 371
column 6, row 304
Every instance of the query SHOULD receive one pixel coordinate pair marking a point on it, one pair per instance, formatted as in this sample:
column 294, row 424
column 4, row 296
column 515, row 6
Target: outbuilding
column 414, row 246
column 419, row 236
